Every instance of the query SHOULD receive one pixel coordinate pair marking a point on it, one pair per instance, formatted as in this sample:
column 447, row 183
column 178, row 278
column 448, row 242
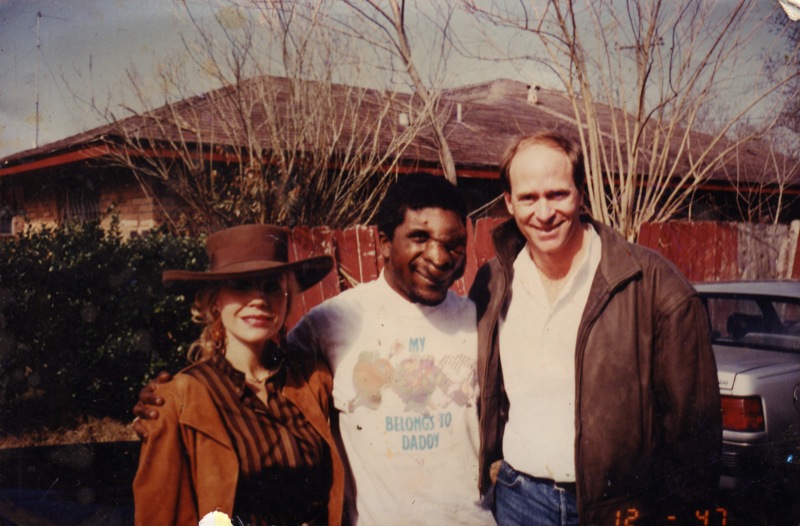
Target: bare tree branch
column 639, row 74
column 392, row 24
column 297, row 148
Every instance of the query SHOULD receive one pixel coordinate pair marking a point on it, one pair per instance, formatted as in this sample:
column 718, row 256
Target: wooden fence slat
column 357, row 253
column 303, row 247
column 701, row 244
column 677, row 246
column 484, row 250
column 648, row 235
column 795, row 231
column 375, row 241
column 479, row 251
column 306, row 243
column 323, row 237
column 471, row 264
column 725, row 242
column 703, row 251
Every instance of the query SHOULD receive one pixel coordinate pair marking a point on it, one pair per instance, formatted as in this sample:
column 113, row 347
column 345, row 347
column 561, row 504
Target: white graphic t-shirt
column 405, row 387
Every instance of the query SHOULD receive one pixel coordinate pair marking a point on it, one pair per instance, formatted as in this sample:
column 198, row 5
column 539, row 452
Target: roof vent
column 403, row 119
column 533, row 94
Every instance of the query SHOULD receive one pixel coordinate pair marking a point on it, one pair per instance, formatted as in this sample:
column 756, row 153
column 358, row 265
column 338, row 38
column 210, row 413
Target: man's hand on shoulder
column 146, row 407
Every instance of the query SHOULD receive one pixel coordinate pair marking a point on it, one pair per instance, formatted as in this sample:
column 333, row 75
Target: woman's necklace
column 254, row 380
column 273, row 359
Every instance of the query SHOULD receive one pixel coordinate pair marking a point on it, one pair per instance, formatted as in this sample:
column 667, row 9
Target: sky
column 83, row 50
column 85, row 46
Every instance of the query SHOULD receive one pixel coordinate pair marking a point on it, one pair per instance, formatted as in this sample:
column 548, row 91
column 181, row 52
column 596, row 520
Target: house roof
column 483, row 120
column 498, row 112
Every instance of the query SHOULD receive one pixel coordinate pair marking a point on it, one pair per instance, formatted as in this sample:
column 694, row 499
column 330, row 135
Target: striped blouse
column 285, row 469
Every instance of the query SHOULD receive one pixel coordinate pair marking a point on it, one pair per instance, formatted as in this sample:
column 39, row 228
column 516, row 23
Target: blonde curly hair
column 213, row 340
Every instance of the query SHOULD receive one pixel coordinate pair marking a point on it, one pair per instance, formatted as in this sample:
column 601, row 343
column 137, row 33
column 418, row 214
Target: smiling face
column 253, row 311
column 545, row 203
column 426, row 254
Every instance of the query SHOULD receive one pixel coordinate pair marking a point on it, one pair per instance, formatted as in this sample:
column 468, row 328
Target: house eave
column 59, row 159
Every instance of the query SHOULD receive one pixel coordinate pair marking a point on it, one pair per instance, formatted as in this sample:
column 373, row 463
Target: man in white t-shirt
column 403, row 352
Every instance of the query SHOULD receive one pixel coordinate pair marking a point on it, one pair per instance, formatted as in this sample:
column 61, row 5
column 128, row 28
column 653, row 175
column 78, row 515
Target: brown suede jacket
column 188, row 466
column 647, row 412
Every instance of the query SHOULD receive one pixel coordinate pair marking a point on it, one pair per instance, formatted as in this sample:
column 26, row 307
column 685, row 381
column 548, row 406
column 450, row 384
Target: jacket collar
column 617, row 263
column 508, row 242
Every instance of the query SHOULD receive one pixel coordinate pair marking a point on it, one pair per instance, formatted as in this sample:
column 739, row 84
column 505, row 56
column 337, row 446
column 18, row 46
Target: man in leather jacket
column 599, row 400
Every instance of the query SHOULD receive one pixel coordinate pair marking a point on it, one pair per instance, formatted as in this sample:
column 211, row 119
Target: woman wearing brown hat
column 244, row 430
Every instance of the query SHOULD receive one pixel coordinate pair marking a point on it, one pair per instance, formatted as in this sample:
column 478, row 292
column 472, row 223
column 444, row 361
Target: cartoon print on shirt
column 458, row 379
column 415, row 382
column 370, row 375
column 419, row 382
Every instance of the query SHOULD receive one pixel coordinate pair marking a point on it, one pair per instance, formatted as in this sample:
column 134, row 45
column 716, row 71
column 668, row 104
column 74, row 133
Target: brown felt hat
column 253, row 251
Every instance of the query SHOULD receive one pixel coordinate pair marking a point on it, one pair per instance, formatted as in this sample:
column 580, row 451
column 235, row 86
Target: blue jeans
column 521, row 500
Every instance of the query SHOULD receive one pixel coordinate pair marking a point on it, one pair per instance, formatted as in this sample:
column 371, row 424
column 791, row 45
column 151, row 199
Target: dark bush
column 85, row 320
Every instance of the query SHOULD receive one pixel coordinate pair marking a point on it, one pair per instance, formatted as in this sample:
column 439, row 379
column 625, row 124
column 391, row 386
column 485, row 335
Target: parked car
column 755, row 332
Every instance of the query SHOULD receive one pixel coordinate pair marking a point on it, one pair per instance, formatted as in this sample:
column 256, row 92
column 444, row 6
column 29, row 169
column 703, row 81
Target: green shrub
column 84, row 321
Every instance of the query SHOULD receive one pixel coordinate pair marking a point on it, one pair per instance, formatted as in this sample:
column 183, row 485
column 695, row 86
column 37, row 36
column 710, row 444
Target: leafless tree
column 790, row 112
column 638, row 74
column 764, row 197
column 384, row 26
column 278, row 140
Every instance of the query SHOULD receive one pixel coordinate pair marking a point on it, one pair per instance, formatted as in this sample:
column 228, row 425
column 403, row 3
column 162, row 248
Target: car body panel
column 756, row 340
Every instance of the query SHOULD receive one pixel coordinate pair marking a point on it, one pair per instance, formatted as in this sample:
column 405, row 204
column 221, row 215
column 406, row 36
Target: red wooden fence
column 710, row 251
column 704, row 251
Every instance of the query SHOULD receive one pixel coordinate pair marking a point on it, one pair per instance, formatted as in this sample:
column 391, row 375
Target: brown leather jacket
column 647, row 413
column 188, row 466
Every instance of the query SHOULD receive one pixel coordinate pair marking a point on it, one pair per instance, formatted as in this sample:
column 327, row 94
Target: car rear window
column 762, row 322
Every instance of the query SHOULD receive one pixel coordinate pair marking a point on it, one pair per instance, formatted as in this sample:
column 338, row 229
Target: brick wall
column 40, row 208
column 136, row 212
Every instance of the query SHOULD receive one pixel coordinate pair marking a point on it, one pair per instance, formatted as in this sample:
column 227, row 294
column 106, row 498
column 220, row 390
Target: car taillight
column 740, row 413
